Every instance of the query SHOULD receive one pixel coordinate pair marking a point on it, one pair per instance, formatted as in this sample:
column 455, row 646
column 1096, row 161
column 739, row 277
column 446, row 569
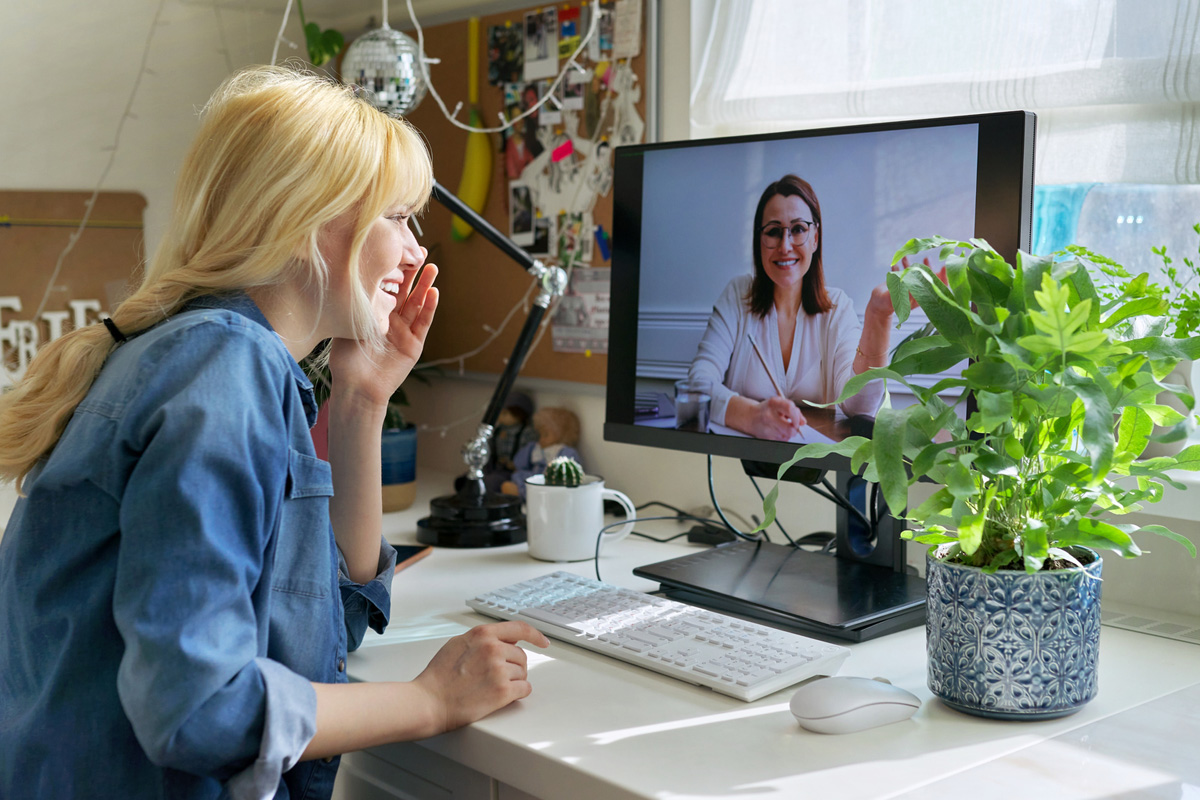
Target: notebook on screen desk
column 794, row 589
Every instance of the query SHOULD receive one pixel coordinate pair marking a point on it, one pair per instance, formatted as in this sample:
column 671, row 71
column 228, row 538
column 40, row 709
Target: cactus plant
column 564, row 471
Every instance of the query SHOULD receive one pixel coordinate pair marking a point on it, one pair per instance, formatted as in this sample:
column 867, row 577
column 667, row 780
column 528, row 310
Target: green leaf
column 1134, row 433
column 918, row 344
column 924, row 462
column 1170, row 534
column 845, row 447
column 992, row 374
column 970, row 532
column 936, row 505
column 1162, row 415
column 929, row 362
column 1097, row 423
column 914, row 246
column 1160, row 348
column 322, row 45
column 1188, row 459
column 888, row 437
column 1135, row 308
column 1099, row 534
column 855, row 384
column 1028, row 279
column 899, row 295
column 961, row 481
column 1035, row 544
column 995, row 408
column 950, row 319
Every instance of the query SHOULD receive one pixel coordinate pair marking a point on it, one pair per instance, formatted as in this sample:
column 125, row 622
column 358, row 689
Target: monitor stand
column 862, row 592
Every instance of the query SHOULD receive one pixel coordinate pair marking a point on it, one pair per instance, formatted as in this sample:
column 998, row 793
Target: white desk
column 598, row 728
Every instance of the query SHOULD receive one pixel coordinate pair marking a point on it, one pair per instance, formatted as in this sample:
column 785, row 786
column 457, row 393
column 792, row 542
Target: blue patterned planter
column 1013, row 645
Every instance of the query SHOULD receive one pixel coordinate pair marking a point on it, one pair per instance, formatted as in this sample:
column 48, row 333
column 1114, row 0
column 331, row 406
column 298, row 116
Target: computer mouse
column 843, row 704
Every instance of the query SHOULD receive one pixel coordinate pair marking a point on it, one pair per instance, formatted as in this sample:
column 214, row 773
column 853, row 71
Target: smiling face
column 387, row 264
column 787, row 238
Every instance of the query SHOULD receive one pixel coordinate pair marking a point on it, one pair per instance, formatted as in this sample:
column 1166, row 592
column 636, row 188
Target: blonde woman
column 182, row 578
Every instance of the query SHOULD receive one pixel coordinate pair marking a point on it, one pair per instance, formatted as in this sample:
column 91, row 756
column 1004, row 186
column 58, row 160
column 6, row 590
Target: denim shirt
column 170, row 584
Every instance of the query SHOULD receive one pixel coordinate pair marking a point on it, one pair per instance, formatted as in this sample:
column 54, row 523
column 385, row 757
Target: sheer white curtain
column 1115, row 83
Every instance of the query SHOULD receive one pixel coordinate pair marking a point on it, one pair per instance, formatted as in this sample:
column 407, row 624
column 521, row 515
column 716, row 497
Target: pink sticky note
column 562, row 151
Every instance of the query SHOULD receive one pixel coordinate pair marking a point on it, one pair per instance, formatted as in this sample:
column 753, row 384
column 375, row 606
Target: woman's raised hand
column 478, row 672
column 408, row 326
column 880, row 304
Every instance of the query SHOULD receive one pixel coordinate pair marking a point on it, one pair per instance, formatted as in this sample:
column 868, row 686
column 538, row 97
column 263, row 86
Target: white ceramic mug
column 563, row 521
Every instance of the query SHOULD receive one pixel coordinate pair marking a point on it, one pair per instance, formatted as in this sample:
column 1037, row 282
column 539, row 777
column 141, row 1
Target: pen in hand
column 771, row 376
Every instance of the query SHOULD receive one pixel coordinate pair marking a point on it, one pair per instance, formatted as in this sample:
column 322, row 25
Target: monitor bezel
column 1003, row 217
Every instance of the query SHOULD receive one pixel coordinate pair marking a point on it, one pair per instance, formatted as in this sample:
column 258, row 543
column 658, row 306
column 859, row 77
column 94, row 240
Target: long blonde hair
column 279, row 155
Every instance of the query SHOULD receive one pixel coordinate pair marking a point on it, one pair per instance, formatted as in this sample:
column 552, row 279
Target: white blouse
column 822, row 358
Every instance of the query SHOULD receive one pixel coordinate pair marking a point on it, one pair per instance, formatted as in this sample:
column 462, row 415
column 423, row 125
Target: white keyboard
column 741, row 659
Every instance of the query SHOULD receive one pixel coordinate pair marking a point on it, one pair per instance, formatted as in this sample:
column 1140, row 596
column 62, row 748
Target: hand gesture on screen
column 879, row 307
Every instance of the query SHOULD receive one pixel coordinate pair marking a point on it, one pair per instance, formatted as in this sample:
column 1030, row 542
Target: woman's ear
column 302, row 252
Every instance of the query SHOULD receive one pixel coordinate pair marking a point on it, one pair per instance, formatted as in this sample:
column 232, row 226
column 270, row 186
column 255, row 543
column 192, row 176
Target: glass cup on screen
column 693, row 399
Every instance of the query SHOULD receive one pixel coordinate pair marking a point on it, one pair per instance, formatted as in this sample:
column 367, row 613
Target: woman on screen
column 781, row 337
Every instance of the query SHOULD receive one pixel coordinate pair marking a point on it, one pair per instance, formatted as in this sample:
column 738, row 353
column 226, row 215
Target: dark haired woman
column 808, row 334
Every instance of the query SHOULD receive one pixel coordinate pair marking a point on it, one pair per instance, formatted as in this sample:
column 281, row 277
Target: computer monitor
column 716, row 242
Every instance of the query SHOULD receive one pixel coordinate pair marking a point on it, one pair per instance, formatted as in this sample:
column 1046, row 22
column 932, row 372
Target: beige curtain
column 1115, row 83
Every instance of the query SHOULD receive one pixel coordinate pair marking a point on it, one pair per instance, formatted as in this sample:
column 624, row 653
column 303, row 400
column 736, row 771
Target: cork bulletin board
column 35, row 229
column 479, row 284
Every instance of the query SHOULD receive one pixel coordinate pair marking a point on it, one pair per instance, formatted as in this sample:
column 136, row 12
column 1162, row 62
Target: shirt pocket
column 303, row 564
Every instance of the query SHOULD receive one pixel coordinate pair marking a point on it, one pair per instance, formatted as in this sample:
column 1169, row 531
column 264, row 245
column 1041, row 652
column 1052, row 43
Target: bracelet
column 869, row 356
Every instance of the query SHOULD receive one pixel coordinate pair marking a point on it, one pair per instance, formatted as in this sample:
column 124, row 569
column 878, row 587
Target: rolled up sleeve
column 367, row 604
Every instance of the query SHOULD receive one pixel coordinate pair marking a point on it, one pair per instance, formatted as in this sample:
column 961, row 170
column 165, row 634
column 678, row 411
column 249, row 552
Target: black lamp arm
column 484, row 228
column 552, row 281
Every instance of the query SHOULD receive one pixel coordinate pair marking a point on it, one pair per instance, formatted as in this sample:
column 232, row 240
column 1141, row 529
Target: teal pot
column 399, row 468
column 1012, row 645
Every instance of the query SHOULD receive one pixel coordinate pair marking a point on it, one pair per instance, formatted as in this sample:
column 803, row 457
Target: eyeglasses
column 800, row 231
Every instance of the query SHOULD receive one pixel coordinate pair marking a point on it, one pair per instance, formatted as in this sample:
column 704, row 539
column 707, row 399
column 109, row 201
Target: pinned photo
column 541, row 44
column 600, row 45
column 551, row 111
column 520, row 142
column 506, row 54
column 520, row 214
column 573, row 90
column 575, row 238
column 543, row 236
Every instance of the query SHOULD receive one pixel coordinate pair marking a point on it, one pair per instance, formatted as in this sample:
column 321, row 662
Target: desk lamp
column 475, row 517
column 388, row 69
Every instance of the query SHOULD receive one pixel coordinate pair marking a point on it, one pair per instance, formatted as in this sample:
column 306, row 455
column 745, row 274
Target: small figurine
column 558, row 433
column 513, row 430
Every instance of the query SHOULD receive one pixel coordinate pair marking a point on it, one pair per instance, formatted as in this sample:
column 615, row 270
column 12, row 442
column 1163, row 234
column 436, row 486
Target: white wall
column 70, row 69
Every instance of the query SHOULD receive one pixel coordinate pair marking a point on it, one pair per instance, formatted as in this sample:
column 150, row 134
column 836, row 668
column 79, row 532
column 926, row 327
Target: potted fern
column 1035, row 475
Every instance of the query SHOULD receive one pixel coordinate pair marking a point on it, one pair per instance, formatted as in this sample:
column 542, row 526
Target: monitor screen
column 742, row 270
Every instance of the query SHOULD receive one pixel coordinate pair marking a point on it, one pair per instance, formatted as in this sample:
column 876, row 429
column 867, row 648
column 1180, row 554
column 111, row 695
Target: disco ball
column 385, row 67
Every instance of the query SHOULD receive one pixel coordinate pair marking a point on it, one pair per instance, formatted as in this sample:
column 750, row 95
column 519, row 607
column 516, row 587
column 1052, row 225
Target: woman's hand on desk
column 775, row 418
column 479, row 672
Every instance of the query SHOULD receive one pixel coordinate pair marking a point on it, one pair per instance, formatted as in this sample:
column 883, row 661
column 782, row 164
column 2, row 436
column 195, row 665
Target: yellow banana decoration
column 476, row 178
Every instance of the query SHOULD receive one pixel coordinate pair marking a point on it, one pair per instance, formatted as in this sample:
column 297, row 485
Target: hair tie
column 118, row 337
